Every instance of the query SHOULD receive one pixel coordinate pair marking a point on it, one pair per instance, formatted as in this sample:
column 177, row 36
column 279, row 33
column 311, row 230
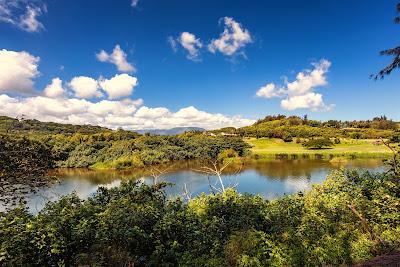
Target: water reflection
column 269, row 179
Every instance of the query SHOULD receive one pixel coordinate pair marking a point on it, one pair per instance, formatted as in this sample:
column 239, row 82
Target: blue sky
column 279, row 40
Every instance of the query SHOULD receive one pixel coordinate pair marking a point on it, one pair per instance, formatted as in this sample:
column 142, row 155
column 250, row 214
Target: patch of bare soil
column 388, row 260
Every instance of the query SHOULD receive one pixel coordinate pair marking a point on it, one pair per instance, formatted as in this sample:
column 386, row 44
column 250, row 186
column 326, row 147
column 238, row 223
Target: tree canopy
column 393, row 52
column 23, row 166
column 318, row 143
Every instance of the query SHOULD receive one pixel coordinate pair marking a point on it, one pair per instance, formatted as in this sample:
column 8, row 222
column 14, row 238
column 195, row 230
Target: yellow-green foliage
column 281, row 126
column 228, row 154
column 125, row 150
column 265, row 147
column 137, row 224
column 128, row 161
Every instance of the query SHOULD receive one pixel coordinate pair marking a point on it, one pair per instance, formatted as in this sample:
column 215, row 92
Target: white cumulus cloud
column 119, row 85
column 17, row 71
column 85, row 87
column 113, row 114
column 68, row 110
column 76, row 103
column 125, row 107
column 54, row 89
column 232, row 39
column 307, row 80
column 311, row 101
column 118, row 58
column 163, row 118
column 268, row 91
column 23, row 14
column 300, row 93
column 151, row 113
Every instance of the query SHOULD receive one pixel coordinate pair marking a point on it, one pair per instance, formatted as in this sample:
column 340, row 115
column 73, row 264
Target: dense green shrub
column 287, row 138
column 137, row 225
column 395, row 138
column 23, row 166
column 355, row 135
column 112, row 150
column 227, row 154
column 318, row 143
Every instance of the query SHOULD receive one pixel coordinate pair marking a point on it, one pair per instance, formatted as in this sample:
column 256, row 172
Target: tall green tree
column 23, row 166
column 394, row 52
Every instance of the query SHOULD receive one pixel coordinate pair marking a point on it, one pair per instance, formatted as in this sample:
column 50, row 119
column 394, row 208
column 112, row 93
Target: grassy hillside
column 287, row 127
column 265, row 147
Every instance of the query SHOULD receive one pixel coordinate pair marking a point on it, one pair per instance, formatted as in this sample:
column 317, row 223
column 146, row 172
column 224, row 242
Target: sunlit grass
column 269, row 147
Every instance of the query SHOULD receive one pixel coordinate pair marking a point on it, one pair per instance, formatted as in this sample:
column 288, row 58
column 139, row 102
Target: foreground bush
column 350, row 217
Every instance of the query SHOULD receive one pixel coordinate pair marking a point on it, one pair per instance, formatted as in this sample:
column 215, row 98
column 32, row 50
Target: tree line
column 283, row 127
column 25, row 159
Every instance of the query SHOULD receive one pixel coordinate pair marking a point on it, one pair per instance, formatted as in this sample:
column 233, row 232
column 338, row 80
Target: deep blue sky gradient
column 288, row 34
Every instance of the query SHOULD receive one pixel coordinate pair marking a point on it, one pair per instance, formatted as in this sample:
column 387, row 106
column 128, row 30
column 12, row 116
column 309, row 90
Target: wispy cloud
column 118, row 58
column 173, row 43
column 134, row 3
column 232, row 40
column 189, row 42
column 23, row 14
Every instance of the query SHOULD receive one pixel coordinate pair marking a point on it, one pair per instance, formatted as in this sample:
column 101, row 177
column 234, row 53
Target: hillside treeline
column 283, row 127
column 12, row 125
column 94, row 146
column 124, row 149
column 276, row 126
column 25, row 159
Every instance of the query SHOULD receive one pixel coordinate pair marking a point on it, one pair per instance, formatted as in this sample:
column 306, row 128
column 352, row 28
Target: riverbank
column 348, row 148
column 269, row 178
column 271, row 148
column 318, row 227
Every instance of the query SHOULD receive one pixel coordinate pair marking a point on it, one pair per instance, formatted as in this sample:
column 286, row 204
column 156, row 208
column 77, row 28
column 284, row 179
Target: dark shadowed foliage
column 23, row 165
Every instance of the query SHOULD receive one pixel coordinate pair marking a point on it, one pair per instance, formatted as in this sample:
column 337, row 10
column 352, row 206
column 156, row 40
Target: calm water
column 269, row 179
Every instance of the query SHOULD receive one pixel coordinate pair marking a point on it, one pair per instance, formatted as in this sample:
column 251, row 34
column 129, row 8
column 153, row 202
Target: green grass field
column 265, row 147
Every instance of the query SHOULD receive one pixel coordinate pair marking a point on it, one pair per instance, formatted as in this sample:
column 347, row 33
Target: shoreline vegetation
column 273, row 137
column 271, row 148
column 351, row 217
